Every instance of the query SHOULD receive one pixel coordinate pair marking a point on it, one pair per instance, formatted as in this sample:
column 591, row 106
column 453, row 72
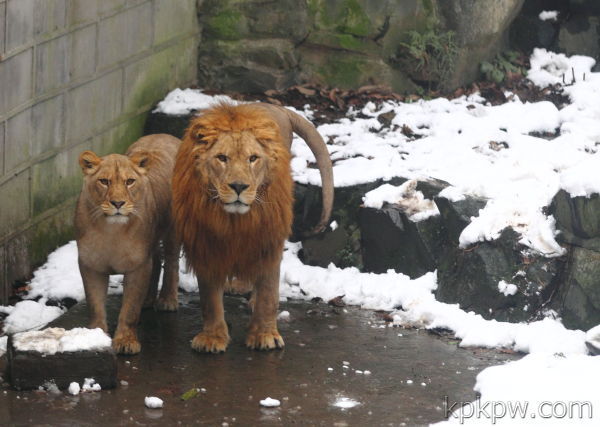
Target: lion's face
column 114, row 184
column 236, row 165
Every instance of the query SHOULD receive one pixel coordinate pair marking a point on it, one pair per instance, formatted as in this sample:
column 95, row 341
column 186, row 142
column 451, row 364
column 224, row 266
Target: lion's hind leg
column 214, row 337
column 263, row 333
column 167, row 300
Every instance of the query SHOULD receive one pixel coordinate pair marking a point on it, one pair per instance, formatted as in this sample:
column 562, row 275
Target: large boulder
column 456, row 215
column 479, row 278
column 481, row 31
column 577, row 219
column 580, row 292
column 390, row 240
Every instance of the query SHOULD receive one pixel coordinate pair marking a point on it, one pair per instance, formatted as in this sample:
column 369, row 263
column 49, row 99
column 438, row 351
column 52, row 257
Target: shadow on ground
column 317, row 337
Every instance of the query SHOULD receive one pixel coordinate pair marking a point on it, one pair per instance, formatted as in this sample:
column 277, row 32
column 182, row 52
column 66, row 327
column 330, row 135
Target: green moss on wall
column 354, row 20
column 345, row 72
column 51, row 233
column 226, row 25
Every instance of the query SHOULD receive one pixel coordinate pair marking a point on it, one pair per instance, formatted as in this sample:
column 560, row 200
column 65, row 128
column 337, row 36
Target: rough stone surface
column 457, row 215
column 344, row 43
column 389, row 240
column 471, row 276
column 577, row 219
column 477, row 42
column 27, row 370
column 580, row 299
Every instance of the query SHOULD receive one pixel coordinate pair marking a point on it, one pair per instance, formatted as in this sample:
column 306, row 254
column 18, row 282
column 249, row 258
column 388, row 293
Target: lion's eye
column 252, row 158
column 103, row 181
column 130, row 181
column 222, row 158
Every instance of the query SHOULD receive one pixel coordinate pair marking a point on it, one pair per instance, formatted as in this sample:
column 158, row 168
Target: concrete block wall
column 75, row 75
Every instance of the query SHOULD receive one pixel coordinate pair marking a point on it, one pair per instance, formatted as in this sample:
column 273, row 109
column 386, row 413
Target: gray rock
column 577, row 219
column 390, row 240
column 471, row 276
column 457, row 215
column 580, row 293
column 346, row 212
column 580, row 34
column 28, row 370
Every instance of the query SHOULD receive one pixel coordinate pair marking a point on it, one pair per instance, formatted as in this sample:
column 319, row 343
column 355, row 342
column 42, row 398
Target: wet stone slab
column 317, row 337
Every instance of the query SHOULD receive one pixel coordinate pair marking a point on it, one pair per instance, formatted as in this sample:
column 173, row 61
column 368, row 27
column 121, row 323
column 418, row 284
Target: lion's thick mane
column 217, row 244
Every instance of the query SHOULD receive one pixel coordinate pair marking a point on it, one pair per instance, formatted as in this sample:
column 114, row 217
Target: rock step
column 28, row 370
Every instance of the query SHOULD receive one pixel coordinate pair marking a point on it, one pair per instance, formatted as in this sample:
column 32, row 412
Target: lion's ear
column 89, row 161
column 140, row 161
column 196, row 133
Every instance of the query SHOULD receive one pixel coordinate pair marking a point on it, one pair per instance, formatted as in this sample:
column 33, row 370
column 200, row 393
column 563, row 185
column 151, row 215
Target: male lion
column 123, row 212
column 232, row 203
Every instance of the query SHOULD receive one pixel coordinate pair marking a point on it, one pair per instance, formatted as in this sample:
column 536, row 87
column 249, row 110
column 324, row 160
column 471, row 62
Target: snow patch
column 74, row 389
column 182, row 102
column 548, row 15
column 90, row 384
column 405, row 196
column 413, row 303
column 58, row 340
column 270, row 403
column 153, row 402
column 507, row 288
column 28, row 315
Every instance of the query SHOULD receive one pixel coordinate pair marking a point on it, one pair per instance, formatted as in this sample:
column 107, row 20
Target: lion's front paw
column 205, row 342
column 264, row 340
column 126, row 343
column 167, row 304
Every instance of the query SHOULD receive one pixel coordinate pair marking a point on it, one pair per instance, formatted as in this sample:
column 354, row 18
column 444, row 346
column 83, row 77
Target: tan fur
column 122, row 215
column 232, row 204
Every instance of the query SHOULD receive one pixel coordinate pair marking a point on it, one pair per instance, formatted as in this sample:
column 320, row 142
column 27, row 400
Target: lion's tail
column 309, row 133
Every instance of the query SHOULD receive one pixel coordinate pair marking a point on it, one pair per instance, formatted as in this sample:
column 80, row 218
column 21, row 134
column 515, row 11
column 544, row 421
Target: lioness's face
column 236, row 165
column 114, row 184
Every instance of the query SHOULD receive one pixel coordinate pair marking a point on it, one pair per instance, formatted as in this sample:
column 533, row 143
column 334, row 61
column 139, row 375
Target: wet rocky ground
column 412, row 373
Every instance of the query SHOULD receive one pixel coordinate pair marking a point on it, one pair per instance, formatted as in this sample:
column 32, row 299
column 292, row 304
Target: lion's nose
column 238, row 187
column 117, row 204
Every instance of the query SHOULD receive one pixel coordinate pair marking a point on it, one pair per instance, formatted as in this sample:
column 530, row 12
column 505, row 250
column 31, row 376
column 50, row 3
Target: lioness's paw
column 210, row 343
column 126, row 344
column 167, row 304
column 264, row 340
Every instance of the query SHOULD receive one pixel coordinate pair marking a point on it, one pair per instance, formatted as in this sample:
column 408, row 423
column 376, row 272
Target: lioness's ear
column 141, row 161
column 89, row 161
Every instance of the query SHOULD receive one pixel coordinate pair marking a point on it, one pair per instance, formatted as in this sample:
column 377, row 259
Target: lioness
column 232, row 204
column 122, row 214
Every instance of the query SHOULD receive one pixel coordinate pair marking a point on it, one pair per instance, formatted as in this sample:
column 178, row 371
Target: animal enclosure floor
column 410, row 375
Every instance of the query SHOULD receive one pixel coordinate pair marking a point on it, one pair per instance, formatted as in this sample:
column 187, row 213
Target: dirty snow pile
column 406, row 196
column 58, row 340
